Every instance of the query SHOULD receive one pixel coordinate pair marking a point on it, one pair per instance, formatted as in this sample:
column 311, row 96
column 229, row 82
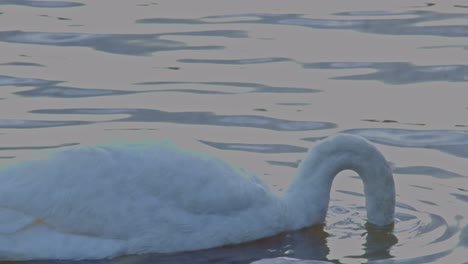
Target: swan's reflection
column 310, row 243
column 378, row 243
column 307, row 244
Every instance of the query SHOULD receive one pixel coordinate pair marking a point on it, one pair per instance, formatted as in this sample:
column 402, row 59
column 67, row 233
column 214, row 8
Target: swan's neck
column 308, row 195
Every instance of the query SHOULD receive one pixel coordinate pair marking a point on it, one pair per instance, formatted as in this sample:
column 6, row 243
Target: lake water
column 258, row 83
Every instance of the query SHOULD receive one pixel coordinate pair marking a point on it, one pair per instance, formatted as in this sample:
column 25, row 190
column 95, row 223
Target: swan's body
column 101, row 202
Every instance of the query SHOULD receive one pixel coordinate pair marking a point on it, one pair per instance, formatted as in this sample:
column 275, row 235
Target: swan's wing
column 24, row 237
column 204, row 184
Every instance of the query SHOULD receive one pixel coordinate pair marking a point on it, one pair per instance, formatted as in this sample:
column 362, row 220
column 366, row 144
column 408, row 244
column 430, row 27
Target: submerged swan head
column 312, row 183
column 105, row 201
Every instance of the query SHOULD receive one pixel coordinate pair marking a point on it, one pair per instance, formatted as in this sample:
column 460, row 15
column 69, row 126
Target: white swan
column 105, row 201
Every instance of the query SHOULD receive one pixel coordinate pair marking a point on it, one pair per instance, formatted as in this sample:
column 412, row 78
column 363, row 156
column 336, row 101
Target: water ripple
column 19, row 63
column 420, row 229
column 14, row 81
column 39, row 147
column 284, row 163
column 69, row 92
column 125, row 44
column 48, row 88
column 236, row 62
column 461, row 197
column 450, row 141
column 394, row 26
column 427, row 170
column 44, row 4
column 254, row 87
column 445, row 47
column 197, row 118
column 464, row 237
column 259, row 148
column 397, row 72
column 19, row 123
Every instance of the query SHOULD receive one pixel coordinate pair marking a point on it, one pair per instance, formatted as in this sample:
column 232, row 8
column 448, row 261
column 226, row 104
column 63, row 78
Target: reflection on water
column 45, row 4
column 309, row 243
column 127, row 44
column 17, row 63
column 197, row 118
column 18, row 123
column 394, row 26
column 450, row 141
column 52, row 89
column 39, row 147
column 262, row 148
column 240, row 62
column 258, row 85
column 427, row 170
column 398, row 72
column 253, row 87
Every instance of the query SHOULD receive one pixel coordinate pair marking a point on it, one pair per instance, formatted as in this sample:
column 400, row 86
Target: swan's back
column 195, row 182
column 126, row 191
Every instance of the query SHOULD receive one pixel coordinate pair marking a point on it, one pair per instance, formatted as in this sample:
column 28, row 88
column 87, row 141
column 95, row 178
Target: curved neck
column 308, row 195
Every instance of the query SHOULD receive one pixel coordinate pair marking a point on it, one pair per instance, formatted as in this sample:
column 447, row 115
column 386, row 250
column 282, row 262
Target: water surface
column 258, row 83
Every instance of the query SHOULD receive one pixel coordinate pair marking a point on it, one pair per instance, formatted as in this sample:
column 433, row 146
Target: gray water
column 258, row 83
